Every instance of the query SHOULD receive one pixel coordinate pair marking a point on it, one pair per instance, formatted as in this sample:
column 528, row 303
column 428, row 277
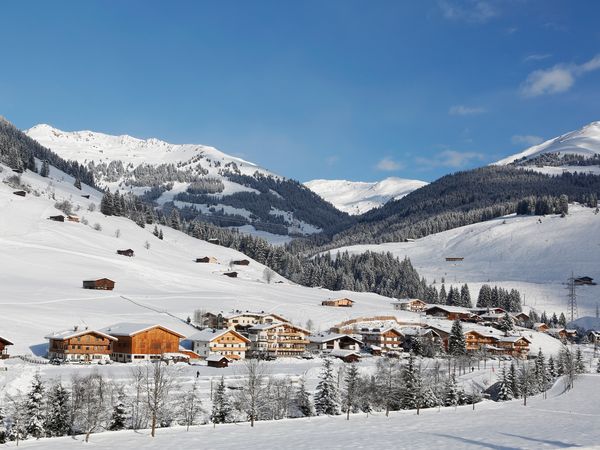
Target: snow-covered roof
column 327, row 337
column 210, row 334
column 512, row 338
column 340, row 353
column 6, row 341
column 131, row 329
column 216, row 358
column 72, row 333
column 267, row 326
column 406, row 301
column 454, row 309
column 379, row 330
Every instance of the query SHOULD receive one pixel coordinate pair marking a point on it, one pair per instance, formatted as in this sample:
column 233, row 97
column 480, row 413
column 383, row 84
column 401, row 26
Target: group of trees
column 500, row 298
column 540, row 206
column 552, row 321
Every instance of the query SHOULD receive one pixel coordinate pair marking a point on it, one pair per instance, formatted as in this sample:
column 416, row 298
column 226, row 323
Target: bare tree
column 158, row 381
column 93, row 399
column 251, row 398
column 139, row 414
column 268, row 275
column 190, row 405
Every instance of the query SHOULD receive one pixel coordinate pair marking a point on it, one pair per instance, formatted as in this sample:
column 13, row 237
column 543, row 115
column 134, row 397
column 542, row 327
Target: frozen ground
column 532, row 254
column 563, row 420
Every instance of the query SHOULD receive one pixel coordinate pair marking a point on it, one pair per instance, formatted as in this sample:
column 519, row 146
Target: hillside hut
column 454, row 258
column 128, row 252
column 214, row 241
column 3, row 344
column 218, row 361
column 207, row 259
column 241, row 262
column 231, row 274
column 338, row 303
column 20, row 193
column 85, row 196
column 103, row 284
column 72, row 218
column 584, row 281
column 58, row 218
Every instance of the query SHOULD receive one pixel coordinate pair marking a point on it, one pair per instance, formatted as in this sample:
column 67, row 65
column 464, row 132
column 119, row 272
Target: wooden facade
column 58, row 218
column 278, row 339
column 142, row 341
column 72, row 218
column 3, row 344
column 20, row 193
column 103, row 284
column 207, row 259
column 386, row 339
column 338, row 303
column 450, row 313
column 411, row 304
column 217, row 361
column 231, row 274
column 241, row 262
column 80, row 345
column 128, row 252
column 224, row 342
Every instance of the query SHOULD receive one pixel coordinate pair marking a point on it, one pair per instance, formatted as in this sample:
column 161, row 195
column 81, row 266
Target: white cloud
column 462, row 110
column 475, row 11
column 537, row 57
column 450, row 158
column 559, row 78
column 526, row 139
column 332, row 160
column 388, row 165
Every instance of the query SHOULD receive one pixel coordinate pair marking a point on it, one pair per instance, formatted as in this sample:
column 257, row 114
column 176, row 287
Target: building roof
column 234, row 314
column 75, row 332
column 512, row 338
column 5, row 341
column 217, row 358
column 266, row 326
column 210, row 334
column 381, row 330
column 406, row 301
column 339, row 353
column 328, row 337
column 131, row 329
column 453, row 309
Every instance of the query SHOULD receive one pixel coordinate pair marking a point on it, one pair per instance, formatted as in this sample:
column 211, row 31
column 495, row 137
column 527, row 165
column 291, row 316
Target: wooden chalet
column 102, row 284
column 521, row 317
column 20, row 193
column 410, row 304
column 138, row 341
column 563, row 334
column 451, row 313
column 239, row 320
column 72, row 218
column 594, row 337
column 455, row 258
column 80, row 344
column 339, row 303
column 328, row 342
column 207, row 259
column 223, row 342
column 57, row 218
column 218, row 361
column 231, row 274
column 3, row 344
column 583, row 281
column 128, row 252
column 385, row 339
column 541, row 327
column 348, row 356
column 277, row 339
column 515, row 346
column 241, row 262
column 214, row 241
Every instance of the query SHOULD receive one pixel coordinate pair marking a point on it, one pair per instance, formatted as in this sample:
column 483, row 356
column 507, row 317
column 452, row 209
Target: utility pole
column 572, row 299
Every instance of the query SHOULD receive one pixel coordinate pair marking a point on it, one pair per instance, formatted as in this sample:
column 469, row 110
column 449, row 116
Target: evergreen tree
column 411, row 391
column 513, row 381
column 562, row 320
column 45, row 169
column 326, row 395
column 443, row 296
column 504, row 390
column 552, row 369
column 35, row 409
column 544, row 318
column 221, row 410
column 3, row 432
column 598, row 366
column 351, row 403
column 106, row 204
column 484, row 299
column 453, row 297
column 457, row 344
column 175, row 219
column 451, row 392
column 118, row 419
column 302, row 400
column 465, row 296
column 541, row 372
column 579, row 362
column 77, row 183
column 58, row 421
column 506, row 324
column 160, row 234
column 155, row 232
column 554, row 320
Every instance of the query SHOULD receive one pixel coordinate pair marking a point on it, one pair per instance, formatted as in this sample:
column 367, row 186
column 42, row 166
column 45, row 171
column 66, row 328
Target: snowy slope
column 584, row 142
column 357, row 197
column 516, row 251
column 43, row 263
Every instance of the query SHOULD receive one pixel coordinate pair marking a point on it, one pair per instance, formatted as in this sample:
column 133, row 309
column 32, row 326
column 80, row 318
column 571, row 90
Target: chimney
column 75, row 328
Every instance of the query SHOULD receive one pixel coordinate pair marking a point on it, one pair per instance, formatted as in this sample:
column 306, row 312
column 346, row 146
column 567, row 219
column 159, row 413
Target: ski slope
column 43, row 264
column 563, row 420
column 535, row 255
column 357, row 197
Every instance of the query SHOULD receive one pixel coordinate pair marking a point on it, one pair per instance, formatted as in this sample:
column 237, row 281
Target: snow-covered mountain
column 200, row 180
column 563, row 151
column 357, row 197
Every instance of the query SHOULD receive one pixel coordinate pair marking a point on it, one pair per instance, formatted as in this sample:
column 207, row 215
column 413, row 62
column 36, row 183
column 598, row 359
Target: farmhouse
column 348, row 356
column 128, row 252
column 103, row 284
column 594, row 337
column 224, row 342
column 451, row 313
column 3, row 344
column 80, row 344
column 338, row 303
column 521, row 318
column 239, row 320
column 410, row 304
column 516, row 346
column 419, row 335
column 207, row 259
column 138, row 341
column 328, row 342
column 386, row 339
column 563, row 334
column 582, row 281
column 278, row 339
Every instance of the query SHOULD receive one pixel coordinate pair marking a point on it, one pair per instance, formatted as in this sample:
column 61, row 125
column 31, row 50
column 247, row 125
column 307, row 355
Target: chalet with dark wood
column 57, row 218
column 328, row 342
column 451, row 313
column 231, row 274
column 138, row 341
column 102, row 284
column 339, row 303
column 563, row 334
column 128, row 252
column 20, row 193
column 207, row 259
column 541, row 327
column 454, row 258
column 80, row 344
column 410, row 304
column 241, row 262
column 278, row 339
column 85, row 196
column 3, row 344
column 214, row 241
column 521, row 318
column 382, row 340
column 348, row 356
column 218, row 361
column 594, row 337
column 583, row 281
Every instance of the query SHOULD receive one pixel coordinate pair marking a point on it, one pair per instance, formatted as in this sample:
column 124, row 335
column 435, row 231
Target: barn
column 241, row 262
column 58, row 218
column 102, row 284
column 207, row 259
column 3, row 344
column 231, row 274
column 128, row 252
column 338, row 303
column 218, row 361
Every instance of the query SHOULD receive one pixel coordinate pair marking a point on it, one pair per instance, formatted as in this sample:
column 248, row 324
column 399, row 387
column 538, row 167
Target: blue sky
column 310, row 89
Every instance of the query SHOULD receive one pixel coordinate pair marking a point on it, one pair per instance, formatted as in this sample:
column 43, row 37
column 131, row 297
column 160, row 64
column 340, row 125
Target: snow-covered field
column 357, row 197
column 532, row 254
column 563, row 420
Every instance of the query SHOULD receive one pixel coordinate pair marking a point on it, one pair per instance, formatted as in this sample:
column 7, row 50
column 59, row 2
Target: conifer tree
column 598, row 367
column 326, row 395
column 221, row 410
column 513, row 381
column 504, row 390
column 3, row 433
column 465, row 296
column 451, row 392
column 58, row 422
column 562, row 320
column 443, row 295
column 351, row 391
column 45, row 169
column 506, row 324
column 552, row 369
column 118, row 419
column 579, row 362
column 160, row 234
column 302, row 400
column 484, row 299
column 77, row 183
column 457, row 344
column 411, row 387
column 35, row 409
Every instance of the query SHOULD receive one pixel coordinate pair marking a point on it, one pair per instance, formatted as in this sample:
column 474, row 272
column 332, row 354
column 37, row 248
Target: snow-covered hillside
column 201, row 179
column 583, row 142
column 43, row 264
column 534, row 254
column 357, row 197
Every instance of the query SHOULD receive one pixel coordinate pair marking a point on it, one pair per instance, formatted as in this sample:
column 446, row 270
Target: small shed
column 20, row 193
column 348, row 356
column 128, row 252
column 72, row 218
column 103, row 284
column 454, row 258
column 218, row 361
column 214, row 241
column 207, row 259
column 58, row 218
column 241, row 262
column 231, row 274
column 584, row 281
column 85, row 196
column 338, row 303
column 17, row 170
column 3, row 344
